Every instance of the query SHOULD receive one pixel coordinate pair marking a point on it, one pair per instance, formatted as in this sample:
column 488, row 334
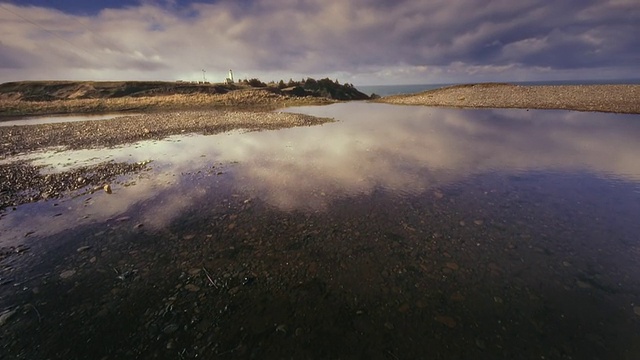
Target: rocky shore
column 604, row 98
column 128, row 129
column 22, row 182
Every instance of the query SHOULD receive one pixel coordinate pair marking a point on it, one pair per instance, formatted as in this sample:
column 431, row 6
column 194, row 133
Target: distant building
column 229, row 80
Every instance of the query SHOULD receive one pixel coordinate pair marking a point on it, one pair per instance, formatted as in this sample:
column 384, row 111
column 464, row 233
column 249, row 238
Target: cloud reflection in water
column 399, row 148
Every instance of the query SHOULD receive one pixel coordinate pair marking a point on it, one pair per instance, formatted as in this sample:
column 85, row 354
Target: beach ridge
column 602, row 98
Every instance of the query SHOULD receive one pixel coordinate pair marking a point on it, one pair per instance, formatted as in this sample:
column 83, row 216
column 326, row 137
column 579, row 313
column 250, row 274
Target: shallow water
column 396, row 232
column 60, row 119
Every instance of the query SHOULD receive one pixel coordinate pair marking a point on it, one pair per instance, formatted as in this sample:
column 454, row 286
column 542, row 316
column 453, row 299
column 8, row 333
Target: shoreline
column 22, row 182
column 624, row 99
column 150, row 126
column 245, row 100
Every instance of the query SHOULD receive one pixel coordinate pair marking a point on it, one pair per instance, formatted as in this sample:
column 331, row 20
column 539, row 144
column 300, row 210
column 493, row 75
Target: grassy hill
column 69, row 90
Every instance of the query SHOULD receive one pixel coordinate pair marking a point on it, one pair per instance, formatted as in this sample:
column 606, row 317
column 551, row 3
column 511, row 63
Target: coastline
column 621, row 98
column 249, row 100
column 23, row 182
column 151, row 126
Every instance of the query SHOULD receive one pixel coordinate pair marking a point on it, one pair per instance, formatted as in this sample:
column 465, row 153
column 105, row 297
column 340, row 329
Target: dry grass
column 240, row 99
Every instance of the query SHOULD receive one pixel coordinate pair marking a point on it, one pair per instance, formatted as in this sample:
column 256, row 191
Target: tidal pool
column 60, row 119
column 395, row 233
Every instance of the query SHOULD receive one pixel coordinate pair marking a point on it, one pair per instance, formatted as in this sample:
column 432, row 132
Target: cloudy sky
column 363, row 42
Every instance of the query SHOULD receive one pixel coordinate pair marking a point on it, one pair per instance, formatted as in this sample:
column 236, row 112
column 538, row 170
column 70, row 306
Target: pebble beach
column 603, row 98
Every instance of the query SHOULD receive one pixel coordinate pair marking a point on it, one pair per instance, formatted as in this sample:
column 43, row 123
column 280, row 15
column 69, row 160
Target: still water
column 393, row 233
column 60, row 119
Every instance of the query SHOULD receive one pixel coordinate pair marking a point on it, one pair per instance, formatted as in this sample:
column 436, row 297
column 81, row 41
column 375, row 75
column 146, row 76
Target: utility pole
column 204, row 79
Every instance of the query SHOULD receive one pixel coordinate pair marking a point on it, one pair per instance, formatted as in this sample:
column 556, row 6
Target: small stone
column 446, row 320
column 231, row 226
column 457, row 296
column 478, row 222
column 404, row 308
column 452, row 266
column 389, row 325
column 67, row 274
column 582, row 284
column 636, row 310
column 5, row 316
column 83, row 248
column 438, row 194
column 462, row 223
column 188, row 237
column 107, row 188
column 192, row 288
column 170, row 329
column 281, row 329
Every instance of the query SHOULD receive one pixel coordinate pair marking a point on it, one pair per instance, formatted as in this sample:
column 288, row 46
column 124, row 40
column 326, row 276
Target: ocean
column 386, row 90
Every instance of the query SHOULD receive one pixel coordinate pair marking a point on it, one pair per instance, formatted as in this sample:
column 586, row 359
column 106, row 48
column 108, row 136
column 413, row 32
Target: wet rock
column 5, row 316
column 192, row 288
column 446, row 320
column 457, row 297
column 83, row 248
column 282, row 328
column 453, row 266
column 67, row 274
column 170, row 329
column 583, row 284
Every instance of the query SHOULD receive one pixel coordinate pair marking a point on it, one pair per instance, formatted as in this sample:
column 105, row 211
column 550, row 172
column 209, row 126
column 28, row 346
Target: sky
column 363, row 42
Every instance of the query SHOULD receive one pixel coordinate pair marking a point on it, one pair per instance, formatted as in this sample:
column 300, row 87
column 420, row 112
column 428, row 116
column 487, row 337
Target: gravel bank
column 21, row 182
column 605, row 98
column 85, row 134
